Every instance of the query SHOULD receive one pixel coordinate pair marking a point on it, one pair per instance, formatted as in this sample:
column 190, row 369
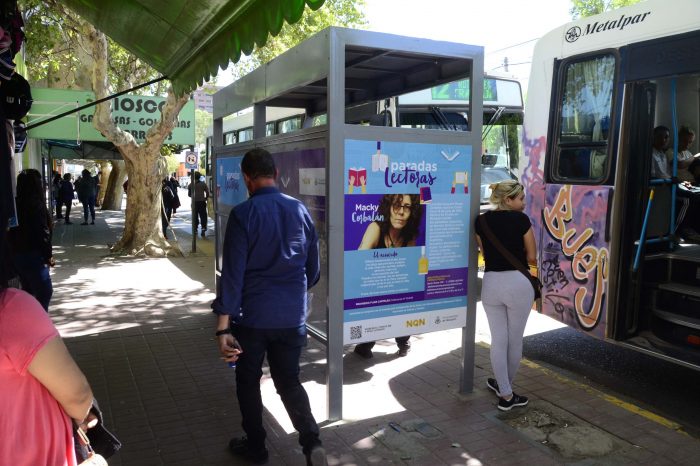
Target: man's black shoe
column 492, row 384
column 239, row 447
column 363, row 351
column 316, row 456
column 403, row 350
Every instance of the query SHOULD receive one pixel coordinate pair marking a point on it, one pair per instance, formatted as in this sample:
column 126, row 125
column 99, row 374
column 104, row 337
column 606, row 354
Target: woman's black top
column 509, row 227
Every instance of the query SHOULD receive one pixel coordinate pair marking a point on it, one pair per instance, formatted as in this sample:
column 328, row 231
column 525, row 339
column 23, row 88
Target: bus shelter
column 353, row 169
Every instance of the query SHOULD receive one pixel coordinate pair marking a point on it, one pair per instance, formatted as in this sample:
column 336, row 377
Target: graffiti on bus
column 575, row 255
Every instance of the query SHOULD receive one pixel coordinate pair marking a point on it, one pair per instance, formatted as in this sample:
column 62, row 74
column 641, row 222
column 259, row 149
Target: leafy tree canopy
column 585, row 8
column 55, row 49
column 202, row 121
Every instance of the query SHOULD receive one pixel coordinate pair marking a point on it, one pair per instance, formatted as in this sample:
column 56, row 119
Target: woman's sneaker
column 516, row 400
column 492, row 384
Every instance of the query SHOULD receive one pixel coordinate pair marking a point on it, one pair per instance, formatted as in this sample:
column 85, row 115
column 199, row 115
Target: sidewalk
column 142, row 331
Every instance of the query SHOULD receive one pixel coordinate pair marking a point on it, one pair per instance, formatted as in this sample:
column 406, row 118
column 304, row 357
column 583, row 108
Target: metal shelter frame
column 332, row 73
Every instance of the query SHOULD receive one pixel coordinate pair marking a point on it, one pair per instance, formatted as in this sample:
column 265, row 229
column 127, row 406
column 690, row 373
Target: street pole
column 194, row 229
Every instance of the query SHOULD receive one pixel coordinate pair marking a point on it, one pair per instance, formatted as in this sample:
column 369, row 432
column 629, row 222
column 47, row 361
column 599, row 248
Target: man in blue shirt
column 270, row 260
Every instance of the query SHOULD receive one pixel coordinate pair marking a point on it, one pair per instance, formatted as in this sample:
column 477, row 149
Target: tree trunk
column 114, row 191
column 144, row 165
column 105, row 169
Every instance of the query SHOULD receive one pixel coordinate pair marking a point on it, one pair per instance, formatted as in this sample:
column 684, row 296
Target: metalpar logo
column 575, row 32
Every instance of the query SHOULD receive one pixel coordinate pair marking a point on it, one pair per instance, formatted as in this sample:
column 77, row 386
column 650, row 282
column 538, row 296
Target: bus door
column 579, row 173
column 638, row 115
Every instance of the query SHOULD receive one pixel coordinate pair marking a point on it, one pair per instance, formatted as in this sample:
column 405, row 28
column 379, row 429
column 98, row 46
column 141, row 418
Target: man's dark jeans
column 200, row 214
column 283, row 348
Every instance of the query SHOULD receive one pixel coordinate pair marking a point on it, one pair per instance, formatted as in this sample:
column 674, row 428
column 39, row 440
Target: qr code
column 356, row 332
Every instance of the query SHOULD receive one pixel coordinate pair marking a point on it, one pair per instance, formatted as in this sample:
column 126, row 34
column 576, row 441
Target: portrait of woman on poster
column 399, row 227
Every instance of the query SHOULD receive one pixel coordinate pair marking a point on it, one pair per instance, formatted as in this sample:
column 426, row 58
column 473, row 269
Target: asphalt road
column 664, row 388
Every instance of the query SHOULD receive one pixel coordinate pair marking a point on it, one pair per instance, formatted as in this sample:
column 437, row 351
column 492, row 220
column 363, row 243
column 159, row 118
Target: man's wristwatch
column 226, row 331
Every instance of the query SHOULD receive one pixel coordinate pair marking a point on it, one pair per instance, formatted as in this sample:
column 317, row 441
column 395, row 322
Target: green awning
column 188, row 40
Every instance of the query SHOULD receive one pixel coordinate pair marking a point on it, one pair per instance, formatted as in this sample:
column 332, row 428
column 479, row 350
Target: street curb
column 667, row 423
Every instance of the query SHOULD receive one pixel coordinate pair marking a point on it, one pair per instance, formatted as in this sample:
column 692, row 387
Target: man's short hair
column 660, row 130
column 258, row 163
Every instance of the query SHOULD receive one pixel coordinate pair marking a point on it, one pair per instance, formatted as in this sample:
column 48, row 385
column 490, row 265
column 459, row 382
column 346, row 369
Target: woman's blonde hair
column 508, row 189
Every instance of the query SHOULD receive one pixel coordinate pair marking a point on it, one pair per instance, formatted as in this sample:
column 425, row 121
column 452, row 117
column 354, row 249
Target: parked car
column 491, row 175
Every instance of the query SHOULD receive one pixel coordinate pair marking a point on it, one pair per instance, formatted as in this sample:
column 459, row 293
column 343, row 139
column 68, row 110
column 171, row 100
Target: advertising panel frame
column 325, row 58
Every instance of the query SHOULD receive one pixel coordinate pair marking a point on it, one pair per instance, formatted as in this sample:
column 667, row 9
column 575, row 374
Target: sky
column 498, row 25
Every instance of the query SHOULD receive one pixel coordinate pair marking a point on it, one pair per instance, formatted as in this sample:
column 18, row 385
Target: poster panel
column 405, row 248
column 301, row 174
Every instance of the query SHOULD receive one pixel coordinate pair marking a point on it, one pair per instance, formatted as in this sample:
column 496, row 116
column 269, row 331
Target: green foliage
column 49, row 41
column 202, row 121
column 585, row 8
column 345, row 13
column 54, row 50
column 172, row 163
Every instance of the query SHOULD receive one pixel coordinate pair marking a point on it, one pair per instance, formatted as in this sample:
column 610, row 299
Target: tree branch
column 100, row 85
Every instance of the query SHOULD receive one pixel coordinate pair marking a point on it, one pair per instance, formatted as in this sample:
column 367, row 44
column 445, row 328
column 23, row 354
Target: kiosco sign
column 132, row 113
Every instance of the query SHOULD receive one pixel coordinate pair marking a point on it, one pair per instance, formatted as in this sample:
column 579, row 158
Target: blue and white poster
column 406, row 247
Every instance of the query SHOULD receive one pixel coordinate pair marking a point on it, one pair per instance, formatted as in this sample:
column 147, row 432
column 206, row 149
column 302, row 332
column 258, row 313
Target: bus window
column 582, row 140
column 289, row 125
column 269, row 129
column 229, row 138
column 245, row 135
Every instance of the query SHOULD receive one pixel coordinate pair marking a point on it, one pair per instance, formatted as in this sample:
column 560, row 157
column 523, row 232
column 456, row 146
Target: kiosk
column 353, row 169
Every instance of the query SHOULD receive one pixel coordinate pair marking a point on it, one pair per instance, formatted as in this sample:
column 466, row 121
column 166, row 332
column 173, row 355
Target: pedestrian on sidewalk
column 506, row 294
column 55, row 188
column 42, row 390
column 270, row 260
column 65, row 197
column 87, row 194
column 201, row 194
column 30, row 241
column 174, row 185
column 167, row 207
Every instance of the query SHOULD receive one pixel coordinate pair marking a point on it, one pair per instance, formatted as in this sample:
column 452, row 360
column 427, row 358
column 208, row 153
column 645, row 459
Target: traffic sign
column 191, row 160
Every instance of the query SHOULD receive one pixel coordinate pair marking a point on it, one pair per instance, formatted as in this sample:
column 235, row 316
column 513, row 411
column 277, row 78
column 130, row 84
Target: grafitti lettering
column 553, row 277
column 585, row 259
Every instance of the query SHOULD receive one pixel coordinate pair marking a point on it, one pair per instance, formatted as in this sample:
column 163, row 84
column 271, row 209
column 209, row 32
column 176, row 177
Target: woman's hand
column 52, row 262
column 89, row 422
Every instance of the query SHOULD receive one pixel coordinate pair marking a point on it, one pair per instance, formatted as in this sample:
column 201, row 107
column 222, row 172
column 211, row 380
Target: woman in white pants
column 506, row 293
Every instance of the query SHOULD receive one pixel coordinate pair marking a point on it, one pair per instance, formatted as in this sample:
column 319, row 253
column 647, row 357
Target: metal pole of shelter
column 466, row 378
column 335, row 190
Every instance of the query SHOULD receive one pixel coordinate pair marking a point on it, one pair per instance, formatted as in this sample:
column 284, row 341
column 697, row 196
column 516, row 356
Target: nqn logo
column 415, row 323
column 573, row 34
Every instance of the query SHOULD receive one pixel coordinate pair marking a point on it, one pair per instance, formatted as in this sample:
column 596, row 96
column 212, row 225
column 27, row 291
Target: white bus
column 610, row 257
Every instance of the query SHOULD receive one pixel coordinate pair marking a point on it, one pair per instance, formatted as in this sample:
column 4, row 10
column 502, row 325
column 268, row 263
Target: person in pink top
column 42, row 390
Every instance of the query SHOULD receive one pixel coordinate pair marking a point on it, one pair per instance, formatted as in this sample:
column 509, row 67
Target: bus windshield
column 447, row 107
